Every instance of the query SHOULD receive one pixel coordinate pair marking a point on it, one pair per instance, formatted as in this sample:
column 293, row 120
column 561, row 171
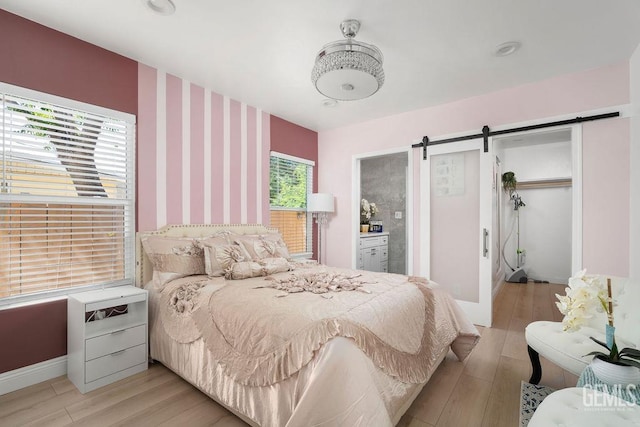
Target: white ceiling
column 262, row 52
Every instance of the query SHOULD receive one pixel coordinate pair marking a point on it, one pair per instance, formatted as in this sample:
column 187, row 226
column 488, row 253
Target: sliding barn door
column 458, row 182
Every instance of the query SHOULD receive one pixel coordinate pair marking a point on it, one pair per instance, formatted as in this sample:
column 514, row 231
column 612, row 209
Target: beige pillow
column 219, row 256
column 263, row 246
column 244, row 270
column 275, row 265
column 281, row 249
column 173, row 257
column 247, row 269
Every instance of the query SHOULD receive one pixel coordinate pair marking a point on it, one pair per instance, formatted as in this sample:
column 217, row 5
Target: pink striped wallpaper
column 202, row 157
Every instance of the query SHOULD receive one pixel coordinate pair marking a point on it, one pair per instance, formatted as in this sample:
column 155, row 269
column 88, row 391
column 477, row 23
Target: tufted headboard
column 144, row 269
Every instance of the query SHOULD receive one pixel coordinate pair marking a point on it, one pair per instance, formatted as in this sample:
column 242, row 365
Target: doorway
column 383, row 178
column 542, row 237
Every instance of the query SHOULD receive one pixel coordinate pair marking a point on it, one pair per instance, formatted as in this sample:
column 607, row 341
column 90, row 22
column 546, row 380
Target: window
column 66, row 194
column 290, row 181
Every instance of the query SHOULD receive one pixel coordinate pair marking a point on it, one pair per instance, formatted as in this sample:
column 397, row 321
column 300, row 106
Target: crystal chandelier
column 347, row 70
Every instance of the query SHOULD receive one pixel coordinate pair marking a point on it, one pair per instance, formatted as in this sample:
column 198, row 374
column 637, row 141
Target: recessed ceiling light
column 162, row 7
column 506, row 49
column 329, row 103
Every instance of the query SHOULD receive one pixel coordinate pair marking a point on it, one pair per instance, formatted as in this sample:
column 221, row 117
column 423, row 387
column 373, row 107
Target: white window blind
column 290, row 182
column 66, row 194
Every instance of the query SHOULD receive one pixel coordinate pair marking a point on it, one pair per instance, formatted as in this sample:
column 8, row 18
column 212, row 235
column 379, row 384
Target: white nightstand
column 110, row 346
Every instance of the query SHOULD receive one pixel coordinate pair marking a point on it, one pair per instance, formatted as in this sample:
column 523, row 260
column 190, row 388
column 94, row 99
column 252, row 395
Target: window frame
column 129, row 204
column 309, row 226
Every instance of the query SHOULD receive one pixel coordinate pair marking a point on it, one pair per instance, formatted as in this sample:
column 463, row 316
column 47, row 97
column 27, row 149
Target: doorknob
column 485, row 247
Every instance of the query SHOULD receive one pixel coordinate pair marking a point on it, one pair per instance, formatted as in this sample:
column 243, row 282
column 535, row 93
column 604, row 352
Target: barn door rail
column 486, row 132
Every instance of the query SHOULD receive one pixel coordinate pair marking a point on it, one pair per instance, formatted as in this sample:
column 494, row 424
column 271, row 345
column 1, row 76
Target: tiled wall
column 383, row 180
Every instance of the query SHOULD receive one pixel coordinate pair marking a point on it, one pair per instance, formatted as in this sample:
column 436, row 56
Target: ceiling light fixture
column 162, row 7
column 347, row 70
column 506, row 49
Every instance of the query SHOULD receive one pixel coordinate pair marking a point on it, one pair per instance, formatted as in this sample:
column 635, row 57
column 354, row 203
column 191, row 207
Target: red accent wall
column 43, row 59
column 39, row 58
column 289, row 138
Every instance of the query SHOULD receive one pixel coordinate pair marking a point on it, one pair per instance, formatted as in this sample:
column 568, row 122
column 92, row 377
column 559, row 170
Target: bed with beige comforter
column 312, row 346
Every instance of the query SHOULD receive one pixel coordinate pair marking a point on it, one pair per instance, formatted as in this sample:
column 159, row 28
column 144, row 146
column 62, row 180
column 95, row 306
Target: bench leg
column 535, row 364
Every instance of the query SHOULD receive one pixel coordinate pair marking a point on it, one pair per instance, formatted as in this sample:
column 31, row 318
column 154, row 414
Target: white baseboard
column 32, row 374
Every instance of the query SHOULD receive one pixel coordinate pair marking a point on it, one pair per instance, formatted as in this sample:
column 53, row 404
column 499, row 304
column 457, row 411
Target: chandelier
column 347, row 70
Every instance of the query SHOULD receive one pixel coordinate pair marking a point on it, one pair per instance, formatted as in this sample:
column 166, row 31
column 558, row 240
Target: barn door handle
column 485, row 247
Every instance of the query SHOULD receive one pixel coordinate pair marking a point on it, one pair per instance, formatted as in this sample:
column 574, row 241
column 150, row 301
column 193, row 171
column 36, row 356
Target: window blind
column 290, row 182
column 66, row 194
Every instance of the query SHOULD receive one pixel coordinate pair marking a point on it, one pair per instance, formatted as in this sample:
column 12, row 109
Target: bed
column 286, row 343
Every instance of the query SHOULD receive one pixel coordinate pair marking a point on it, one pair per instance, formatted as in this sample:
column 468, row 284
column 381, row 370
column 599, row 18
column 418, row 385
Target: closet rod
column 486, row 133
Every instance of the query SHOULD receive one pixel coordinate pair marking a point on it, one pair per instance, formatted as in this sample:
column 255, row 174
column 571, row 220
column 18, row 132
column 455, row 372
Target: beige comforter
column 261, row 336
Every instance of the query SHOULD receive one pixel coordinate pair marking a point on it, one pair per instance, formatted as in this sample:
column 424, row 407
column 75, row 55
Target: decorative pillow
column 244, row 270
column 275, row 265
column 225, row 237
column 281, row 249
column 263, row 246
column 219, row 256
column 173, row 257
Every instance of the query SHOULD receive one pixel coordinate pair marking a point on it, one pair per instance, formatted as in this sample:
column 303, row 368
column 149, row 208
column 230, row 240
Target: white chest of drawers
column 374, row 252
column 109, row 347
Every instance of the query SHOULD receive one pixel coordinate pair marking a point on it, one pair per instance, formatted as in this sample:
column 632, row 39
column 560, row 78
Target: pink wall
column 202, row 157
column 569, row 94
column 39, row 58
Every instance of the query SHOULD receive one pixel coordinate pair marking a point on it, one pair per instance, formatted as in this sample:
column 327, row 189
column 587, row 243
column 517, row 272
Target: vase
column 613, row 374
column 364, row 228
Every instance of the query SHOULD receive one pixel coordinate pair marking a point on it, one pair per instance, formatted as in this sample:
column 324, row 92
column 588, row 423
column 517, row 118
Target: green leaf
column 614, row 352
column 629, row 362
column 630, row 352
column 600, row 342
column 597, row 353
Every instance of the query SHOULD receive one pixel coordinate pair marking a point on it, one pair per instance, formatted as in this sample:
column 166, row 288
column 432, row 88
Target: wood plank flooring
column 484, row 390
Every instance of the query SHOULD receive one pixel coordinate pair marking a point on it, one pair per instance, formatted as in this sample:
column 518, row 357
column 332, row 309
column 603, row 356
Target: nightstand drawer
column 115, row 341
column 114, row 362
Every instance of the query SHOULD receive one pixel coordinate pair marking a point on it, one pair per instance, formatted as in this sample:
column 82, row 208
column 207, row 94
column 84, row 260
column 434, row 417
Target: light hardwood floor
column 484, row 390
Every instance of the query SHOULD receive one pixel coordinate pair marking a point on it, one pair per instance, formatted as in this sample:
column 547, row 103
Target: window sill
column 17, row 301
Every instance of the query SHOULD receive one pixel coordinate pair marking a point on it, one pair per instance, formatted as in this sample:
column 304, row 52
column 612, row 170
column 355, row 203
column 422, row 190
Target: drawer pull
column 117, row 353
column 118, row 332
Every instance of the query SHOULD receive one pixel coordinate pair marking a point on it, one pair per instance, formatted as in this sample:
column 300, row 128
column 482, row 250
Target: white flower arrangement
column 367, row 211
column 585, row 295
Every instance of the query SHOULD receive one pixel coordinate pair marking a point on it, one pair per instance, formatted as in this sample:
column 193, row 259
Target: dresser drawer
column 114, row 362
column 369, row 242
column 384, row 253
column 115, row 341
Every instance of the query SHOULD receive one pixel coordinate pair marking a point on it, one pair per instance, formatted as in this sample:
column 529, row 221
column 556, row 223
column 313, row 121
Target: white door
column 456, row 185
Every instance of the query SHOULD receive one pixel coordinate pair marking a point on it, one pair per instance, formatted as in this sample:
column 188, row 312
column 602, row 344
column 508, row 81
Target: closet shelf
column 544, row 183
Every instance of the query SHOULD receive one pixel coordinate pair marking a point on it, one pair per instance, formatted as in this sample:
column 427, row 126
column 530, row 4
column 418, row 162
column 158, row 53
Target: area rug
column 530, row 397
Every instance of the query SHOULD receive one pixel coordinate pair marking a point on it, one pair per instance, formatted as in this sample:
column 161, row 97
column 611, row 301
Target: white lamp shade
column 320, row 202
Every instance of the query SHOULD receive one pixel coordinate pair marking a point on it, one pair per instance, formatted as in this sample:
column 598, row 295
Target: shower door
column 457, row 185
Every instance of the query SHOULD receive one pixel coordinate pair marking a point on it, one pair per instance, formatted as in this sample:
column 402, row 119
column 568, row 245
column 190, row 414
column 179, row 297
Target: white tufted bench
column 566, row 349
column 578, row 407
